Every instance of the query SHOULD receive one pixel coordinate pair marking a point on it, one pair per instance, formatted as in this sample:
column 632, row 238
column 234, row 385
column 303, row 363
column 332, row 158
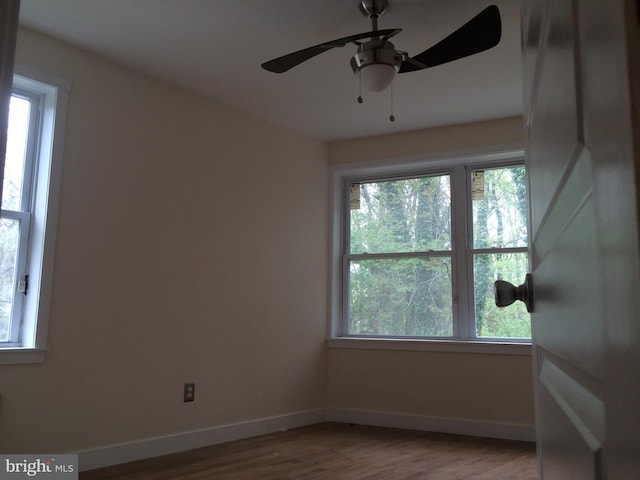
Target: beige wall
column 186, row 251
column 496, row 389
column 458, row 139
column 478, row 387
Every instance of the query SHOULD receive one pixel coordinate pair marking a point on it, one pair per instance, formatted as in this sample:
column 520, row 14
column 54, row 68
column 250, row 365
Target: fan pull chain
column 391, row 117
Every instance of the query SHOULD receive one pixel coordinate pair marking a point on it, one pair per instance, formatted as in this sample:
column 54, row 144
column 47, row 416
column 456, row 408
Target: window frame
column 52, row 97
column 463, row 339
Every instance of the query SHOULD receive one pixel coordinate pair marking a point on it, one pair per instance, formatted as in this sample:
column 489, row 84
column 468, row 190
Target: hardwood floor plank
column 340, row 452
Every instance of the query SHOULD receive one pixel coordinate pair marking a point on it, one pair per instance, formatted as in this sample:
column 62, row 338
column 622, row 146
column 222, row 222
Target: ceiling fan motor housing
column 380, row 56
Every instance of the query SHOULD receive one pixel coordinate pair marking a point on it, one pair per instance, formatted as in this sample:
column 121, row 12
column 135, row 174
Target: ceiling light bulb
column 375, row 77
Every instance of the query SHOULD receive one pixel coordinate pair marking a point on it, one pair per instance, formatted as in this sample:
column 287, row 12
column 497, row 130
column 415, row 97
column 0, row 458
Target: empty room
column 339, row 239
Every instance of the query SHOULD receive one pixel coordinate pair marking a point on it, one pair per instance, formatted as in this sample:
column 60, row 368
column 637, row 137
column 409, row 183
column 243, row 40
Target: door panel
column 568, row 302
column 569, row 447
column 531, row 31
column 580, row 89
column 553, row 121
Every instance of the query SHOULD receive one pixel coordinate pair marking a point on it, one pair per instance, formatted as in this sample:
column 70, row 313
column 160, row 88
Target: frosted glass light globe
column 376, row 77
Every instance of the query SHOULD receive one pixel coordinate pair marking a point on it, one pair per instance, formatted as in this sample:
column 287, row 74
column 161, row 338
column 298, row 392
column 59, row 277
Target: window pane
column 9, row 237
column 401, row 297
column 499, row 207
column 409, row 215
column 17, row 135
column 491, row 321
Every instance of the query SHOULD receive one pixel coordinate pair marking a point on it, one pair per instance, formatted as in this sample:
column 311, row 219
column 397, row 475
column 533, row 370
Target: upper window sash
column 35, row 102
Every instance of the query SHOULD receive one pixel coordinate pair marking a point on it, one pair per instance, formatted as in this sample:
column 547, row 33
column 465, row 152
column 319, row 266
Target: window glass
column 13, row 204
column 407, row 215
column 491, row 321
column 500, row 237
column 399, row 257
column 499, row 207
column 409, row 271
column 17, row 135
column 9, row 239
column 401, row 297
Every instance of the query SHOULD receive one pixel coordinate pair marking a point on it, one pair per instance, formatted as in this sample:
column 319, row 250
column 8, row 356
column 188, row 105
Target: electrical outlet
column 189, row 392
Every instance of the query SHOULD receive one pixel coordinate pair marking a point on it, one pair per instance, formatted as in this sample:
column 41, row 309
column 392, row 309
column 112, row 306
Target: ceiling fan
column 377, row 60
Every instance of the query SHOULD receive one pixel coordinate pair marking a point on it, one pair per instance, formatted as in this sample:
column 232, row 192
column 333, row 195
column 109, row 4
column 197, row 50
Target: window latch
column 23, row 284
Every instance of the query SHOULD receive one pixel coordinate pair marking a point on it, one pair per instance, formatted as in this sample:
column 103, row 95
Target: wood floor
column 332, row 451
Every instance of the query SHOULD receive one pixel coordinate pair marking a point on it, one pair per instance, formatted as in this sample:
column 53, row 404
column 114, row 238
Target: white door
column 580, row 79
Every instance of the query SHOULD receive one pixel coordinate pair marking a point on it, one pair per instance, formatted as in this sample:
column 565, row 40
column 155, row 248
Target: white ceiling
column 216, row 47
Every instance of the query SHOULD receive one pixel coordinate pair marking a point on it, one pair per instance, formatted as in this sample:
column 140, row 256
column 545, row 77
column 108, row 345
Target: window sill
column 451, row 346
column 20, row 356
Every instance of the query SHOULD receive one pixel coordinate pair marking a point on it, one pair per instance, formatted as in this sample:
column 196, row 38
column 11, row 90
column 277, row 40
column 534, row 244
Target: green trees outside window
column 401, row 256
column 15, row 211
column 500, row 251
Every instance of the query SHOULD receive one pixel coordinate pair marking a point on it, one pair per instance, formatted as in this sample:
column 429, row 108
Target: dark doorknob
column 507, row 293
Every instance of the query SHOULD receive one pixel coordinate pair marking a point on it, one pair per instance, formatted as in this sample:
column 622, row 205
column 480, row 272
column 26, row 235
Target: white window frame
column 31, row 344
column 455, row 164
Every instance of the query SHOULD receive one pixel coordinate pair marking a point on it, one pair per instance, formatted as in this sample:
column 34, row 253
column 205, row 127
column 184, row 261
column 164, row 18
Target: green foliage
column 500, row 221
column 11, row 200
column 411, row 294
column 409, row 215
column 491, row 321
column 401, row 297
column 8, row 243
column 500, row 218
column 407, row 296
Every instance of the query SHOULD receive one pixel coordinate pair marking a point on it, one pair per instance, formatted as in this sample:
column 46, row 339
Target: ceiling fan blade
column 477, row 35
column 286, row 62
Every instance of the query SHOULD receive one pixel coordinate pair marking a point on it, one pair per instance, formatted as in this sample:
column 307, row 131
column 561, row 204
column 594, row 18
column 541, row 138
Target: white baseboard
column 473, row 428
column 157, row 446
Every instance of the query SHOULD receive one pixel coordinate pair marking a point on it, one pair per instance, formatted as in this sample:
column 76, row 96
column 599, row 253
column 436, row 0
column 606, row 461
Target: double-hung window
column 29, row 213
column 419, row 251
